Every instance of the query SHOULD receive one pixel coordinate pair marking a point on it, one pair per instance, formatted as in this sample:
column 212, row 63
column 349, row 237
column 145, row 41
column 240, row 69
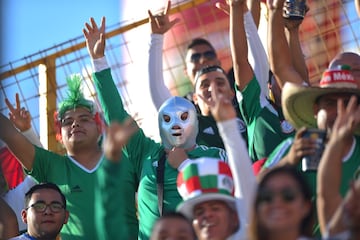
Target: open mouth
column 176, row 134
column 208, row 224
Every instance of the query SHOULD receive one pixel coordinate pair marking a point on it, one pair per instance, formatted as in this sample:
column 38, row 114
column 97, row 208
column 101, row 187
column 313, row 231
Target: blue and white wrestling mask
column 178, row 123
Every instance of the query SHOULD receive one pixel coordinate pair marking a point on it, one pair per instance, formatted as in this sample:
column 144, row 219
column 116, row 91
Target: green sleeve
column 139, row 145
column 250, row 105
column 109, row 204
column 109, row 97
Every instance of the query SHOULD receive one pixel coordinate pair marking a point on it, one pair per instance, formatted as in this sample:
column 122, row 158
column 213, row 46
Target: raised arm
column 9, row 226
column 330, row 167
column 111, row 180
column 159, row 24
column 17, row 143
column 292, row 35
column 256, row 55
column 346, row 220
column 278, row 48
column 117, row 136
column 21, row 119
column 255, row 9
column 235, row 146
column 106, row 89
column 238, row 43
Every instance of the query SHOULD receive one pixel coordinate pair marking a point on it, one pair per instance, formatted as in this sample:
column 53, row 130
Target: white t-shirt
column 15, row 198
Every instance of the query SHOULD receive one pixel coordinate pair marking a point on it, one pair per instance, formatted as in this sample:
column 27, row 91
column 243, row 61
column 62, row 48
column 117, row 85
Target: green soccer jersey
column 209, row 134
column 110, row 196
column 80, row 186
column 144, row 154
column 266, row 127
column 350, row 164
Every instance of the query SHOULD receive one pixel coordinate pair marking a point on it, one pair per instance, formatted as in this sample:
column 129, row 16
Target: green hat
column 75, row 97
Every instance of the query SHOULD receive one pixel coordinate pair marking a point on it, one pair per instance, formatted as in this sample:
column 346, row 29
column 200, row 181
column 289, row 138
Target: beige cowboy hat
column 298, row 100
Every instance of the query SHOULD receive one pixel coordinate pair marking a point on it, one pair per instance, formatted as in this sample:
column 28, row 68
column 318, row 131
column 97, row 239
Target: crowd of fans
column 230, row 164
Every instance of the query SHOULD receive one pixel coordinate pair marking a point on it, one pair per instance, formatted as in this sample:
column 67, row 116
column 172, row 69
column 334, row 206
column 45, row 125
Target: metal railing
column 329, row 27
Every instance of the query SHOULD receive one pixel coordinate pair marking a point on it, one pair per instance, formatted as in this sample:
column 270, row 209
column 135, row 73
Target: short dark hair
column 207, row 69
column 47, row 185
column 175, row 215
column 200, row 41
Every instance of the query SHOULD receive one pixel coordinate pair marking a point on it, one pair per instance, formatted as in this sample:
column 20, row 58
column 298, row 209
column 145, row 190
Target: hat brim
column 187, row 206
column 298, row 103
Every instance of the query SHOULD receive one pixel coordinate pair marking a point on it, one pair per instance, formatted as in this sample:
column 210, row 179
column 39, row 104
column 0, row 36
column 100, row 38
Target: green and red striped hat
column 204, row 179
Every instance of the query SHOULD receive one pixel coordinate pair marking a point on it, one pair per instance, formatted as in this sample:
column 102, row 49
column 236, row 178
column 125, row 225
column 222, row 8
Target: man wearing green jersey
column 78, row 128
column 178, row 126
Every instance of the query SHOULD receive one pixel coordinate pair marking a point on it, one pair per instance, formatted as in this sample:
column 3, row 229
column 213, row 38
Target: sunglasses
column 195, row 57
column 287, row 195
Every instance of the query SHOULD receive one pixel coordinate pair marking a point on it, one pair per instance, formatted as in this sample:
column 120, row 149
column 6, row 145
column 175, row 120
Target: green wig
column 75, row 97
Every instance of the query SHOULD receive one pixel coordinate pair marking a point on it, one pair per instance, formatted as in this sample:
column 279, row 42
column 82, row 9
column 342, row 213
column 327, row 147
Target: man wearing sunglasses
column 200, row 53
column 45, row 212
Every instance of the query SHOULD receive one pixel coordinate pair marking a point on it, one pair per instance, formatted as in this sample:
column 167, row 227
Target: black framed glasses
column 195, row 57
column 287, row 195
column 41, row 207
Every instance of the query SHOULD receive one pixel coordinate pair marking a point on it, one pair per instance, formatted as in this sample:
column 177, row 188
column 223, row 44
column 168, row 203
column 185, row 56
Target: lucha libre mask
column 178, row 123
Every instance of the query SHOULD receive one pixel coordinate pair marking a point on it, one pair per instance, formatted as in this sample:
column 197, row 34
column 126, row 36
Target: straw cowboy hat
column 202, row 180
column 298, row 100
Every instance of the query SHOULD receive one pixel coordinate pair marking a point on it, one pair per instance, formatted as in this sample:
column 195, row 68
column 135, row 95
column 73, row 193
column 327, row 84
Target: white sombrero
column 298, row 100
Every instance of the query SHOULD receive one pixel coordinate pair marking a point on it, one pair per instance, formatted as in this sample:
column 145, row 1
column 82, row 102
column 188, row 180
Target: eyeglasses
column 82, row 119
column 41, row 207
column 287, row 195
column 195, row 57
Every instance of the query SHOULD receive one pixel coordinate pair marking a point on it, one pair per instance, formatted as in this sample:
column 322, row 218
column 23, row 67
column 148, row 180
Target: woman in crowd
column 282, row 207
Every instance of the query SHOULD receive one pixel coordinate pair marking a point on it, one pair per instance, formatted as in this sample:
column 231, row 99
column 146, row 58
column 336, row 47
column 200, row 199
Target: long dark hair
column 259, row 232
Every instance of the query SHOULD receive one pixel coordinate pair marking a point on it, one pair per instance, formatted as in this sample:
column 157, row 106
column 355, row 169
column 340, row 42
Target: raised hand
column 347, row 120
column 226, row 7
column 176, row 156
column 223, row 7
column 292, row 24
column 275, row 4
column 220, row 104
column 19, row 116
column 160, row 23
column 300, row 147
column 117, row 136
column 95, row 38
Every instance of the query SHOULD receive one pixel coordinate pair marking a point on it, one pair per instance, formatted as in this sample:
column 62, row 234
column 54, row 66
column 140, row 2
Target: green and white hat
column 204, row 179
